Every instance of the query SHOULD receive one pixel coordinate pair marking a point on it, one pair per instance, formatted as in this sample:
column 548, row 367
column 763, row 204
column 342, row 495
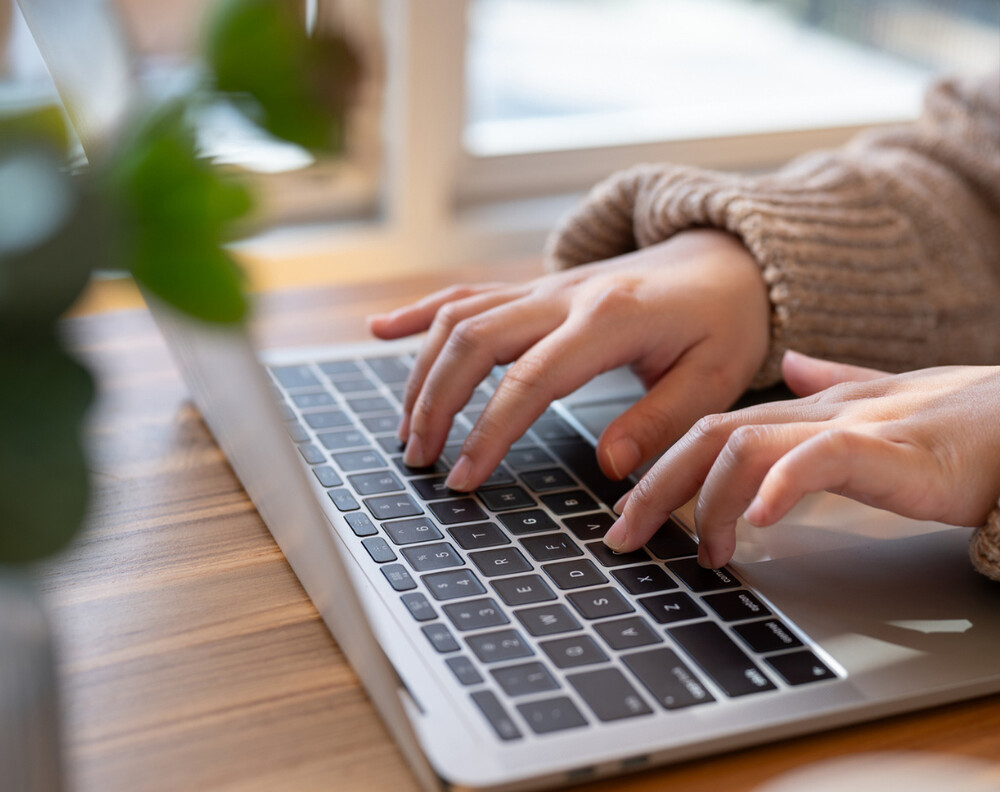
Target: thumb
column 808, row 375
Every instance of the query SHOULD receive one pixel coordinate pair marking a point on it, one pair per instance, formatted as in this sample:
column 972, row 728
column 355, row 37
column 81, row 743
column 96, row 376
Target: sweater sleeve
column 884, row 253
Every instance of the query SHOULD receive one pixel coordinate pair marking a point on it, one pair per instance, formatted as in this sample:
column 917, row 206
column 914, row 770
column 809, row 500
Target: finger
column 472, row 347
column 417, row 317
column 808, row 375
column 562, row 361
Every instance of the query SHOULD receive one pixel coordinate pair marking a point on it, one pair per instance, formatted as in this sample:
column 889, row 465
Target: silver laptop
column 503, row 644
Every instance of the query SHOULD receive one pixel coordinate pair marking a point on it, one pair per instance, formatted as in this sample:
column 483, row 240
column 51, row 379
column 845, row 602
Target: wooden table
column 191, row 659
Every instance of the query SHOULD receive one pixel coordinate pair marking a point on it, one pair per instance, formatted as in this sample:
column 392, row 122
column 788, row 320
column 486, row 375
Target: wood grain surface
column 191, row 659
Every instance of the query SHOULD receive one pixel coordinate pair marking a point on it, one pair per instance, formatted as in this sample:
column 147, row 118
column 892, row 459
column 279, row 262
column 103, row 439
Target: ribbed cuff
column 984, row 549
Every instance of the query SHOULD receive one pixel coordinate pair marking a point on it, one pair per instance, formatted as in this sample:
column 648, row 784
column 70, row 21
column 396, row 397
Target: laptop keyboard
column 547, row 628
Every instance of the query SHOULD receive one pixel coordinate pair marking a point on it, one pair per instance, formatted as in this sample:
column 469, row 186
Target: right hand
column 690, row 315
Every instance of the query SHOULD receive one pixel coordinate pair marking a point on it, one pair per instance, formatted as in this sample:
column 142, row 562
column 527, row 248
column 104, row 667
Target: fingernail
column 404, row 428
column 458, row 478
column 623, row 456
column 619, row 506
column 617, row 535
column 414, row 455
column 755, row 512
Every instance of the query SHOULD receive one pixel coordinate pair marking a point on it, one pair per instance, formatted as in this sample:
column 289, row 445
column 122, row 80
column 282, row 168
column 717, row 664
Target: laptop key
column 769, row 635
column 551, row 427
column 699, row 579
column 327, row 419
column 570, row 502
column 589, row 526
column 419, row 606
column 379, row 424
column 311, row 401
column 454, row 584
column 647, row 579
column 527, row 458
column 505, row 498
column 336, row 369
column 464, row 671
column 523, row 590
column 736, row 605
column 600, row 603
column 671, row 541
column 462, row 510
column 629, row 633
column 475, row 614
column 353, row 461
column 496, row 715
column 375, row 483
column 440, row 637
column 670, row 608
column 311, row 454
column 389, row 369
column 361, row 405
column 571, row 652
column 551, row 547
column 398, row 577
column 349, row 387
column 548, row 480
column 574, row 574
column 295, row 377
column 327, row 476
column 525, row 679
column 498, row 477
column 343, row 499
column 412, row 531
column 609, row 558
column 378, row 549
column 719, row 657
column 345, row 438
column 426, row 558
column 389, row 507
column 667, row 678
column 360, row 523
column 547, row 620
column 498, row 646
column 478, row 536
column 579, row 456
column 800, row 668
column 502, row 561
column 526, row 522
column 551, row 715
column 609, row 694
column 440, row 466
column 297, row 433
column 433, row 488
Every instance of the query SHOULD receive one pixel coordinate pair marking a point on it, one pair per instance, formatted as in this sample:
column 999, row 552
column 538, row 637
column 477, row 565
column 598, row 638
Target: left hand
column 925, row 444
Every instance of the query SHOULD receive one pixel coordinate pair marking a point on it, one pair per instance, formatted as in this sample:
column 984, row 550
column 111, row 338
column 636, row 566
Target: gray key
column 589, row 526
column 670, row 682
column 295, row 377
column 337, row 369
column 311, row 454
column 670, row 608
column 440, row 637
column 380, row 424
column 551, row 715
column 525, row 679
column 429, row 557
column 344, row 438
column 310, row 401
column 389, row 369
column 297, row 433
column 343, row 499
column 551, row 547
column 721, row 658
column 452, row 512
column 419, row 606
column 327, row 419
column 523, row 590
column 528, row 457
column 495, row 647
column 349, row 386
column 475, row 614
column 575, row 651
column 375, row 483
column 370, row 404
column 609, row 558
column 389, row 507
column 506, row 498
column 464, row 671
column 478, row 535
column 327, row 476
column 353, row 461
column 379, row 549
column 609, row 694
column 574, row 574
column 502, row 561
column 411, row 531
column 398, row 577
column 547, row 620
column 453, row 585
column 497, row 716
column 548, row 480
column 627, row 633
column 600, row 603
column 528, row 522
column 361, row 524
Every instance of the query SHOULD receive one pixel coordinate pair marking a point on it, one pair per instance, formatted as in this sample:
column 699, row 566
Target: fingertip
column 620, row 458
column 618, row 535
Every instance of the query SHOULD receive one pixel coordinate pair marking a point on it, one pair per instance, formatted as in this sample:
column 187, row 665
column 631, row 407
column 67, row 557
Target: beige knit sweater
column 885, row 253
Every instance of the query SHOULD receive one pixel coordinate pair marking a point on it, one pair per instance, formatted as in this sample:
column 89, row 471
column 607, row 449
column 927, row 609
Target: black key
column 721, row 659
column 551, row 715
column 381, row 424
column 551, row 547
column 440, row 637
column 523, row 590
column 417, row 529
column 526, row 522
column 437, row 467
column 454, row 584
column 670, row 681
column 478, row 535
column 589, row 526
column 498, row 477
column 547, row 620
column 629, row 633
column 525, row 679
column 344, row 438
column 495, row 713
column 501, row 645
column 769, row 635
column 577, row 650
column 361, row 524
column 550, row 427
column 433, row 488
column 390, row 444
column 476, row 614
column 646, row 579
column 327, row 476
column 398, row 577
column 351, row 386
column 419, row 606
column 699, row 579
column 672, row 541
column 311, row 454
column 570, row 502
column 528, row 457
column 505, row 498
column 578, row 455
column 548, row 480
column 464, row 671
column 295, row 377
column 502, row 561
column 389, row 369
column 343, row 499
column 379, row 549
column 311, row 401
column 375, row 483
column 610, row 558
column 327, row 419
column 427, row 558
column 609, row 694
column 338, row 369
column 352, row 461
column 388, row 507
column 458, row 511
column 362, row 405
column 800, row 668
column 736, row 605
column 574, row 574
column 600, row 603
column 670, row 608
column 297, row 433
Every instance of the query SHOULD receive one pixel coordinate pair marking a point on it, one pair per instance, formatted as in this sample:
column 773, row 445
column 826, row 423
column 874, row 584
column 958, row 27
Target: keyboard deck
column 545, row 626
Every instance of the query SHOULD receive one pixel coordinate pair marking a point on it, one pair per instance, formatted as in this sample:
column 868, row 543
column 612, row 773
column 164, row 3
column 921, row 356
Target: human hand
column 690, row 315
column 922, row 444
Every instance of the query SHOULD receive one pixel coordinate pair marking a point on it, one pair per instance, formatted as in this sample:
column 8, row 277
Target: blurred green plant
column 151, row 206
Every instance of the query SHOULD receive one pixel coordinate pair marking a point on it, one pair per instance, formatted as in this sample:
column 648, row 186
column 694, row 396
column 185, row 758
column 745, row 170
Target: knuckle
column 448, row 315
column 708, row 427
column 744, row 442
column 643, row 496
column 468, row 335
column 611, row 298
column 526, row 377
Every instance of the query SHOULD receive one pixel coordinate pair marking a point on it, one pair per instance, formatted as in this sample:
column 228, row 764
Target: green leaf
column 43, row 474
column 35, row 125
column 299, row 86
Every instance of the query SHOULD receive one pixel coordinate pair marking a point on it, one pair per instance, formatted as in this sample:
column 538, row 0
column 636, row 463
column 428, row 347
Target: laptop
column 503, row 644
